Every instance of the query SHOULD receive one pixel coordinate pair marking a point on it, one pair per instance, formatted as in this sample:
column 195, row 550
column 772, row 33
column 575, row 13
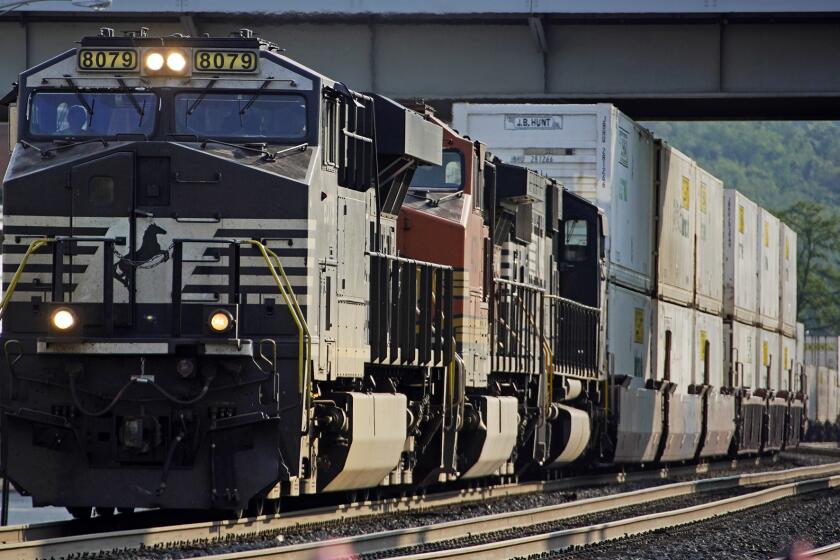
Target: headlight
column 220, row 321
column 63, row 319
column 176, row 61
column 154, row 61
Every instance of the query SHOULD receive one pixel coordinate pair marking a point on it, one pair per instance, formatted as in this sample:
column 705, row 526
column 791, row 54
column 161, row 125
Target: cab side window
column 576, row 240
column 330, row 130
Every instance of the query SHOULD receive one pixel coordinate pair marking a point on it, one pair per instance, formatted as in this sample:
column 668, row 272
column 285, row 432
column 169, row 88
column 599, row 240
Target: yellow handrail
column 291, row 303
column 268, row 255
column 7, row 296
column 548, row 356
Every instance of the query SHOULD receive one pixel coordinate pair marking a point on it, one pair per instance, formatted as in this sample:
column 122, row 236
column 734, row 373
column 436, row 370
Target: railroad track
column 392, row 540
column 828, row 552
column 43, row 541
column 57, row 529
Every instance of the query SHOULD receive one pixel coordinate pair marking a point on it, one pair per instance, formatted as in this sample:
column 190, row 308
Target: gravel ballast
column 763, row 532
column 352, row 527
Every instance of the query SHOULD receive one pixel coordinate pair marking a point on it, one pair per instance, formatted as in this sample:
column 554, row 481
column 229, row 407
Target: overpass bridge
column 657, row 59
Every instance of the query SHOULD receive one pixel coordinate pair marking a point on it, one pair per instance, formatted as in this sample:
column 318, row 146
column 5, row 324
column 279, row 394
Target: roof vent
column 142, row 32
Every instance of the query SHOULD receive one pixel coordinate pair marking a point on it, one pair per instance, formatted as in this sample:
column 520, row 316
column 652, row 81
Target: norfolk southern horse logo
column 149, row 254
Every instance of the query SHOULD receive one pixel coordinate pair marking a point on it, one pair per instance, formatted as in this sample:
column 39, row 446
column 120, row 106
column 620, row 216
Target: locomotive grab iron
column 229, row 278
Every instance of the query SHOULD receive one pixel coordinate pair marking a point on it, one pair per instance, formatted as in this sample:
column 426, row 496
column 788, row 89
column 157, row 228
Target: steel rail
column 56, row 539
column 582, row 536
column 389, row 540
column 828, row 552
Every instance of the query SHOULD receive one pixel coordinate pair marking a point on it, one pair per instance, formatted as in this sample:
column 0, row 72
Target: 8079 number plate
column 224, row 61
column 107, row 60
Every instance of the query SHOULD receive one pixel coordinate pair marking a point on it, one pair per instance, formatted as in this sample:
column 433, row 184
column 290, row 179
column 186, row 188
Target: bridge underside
column 759, row 66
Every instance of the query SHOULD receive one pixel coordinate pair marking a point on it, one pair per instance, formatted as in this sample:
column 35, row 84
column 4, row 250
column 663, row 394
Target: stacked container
column 739, row 257
column 787, row 356
column 709, row 333
column 768, row 270
column 800, row 345
column 822, row 394
column 676, row 176
column 600, row 153
column 768, row 370
column 822, row 351
column 665, row 267
column 787, row 288
column 741, row 352
column 708, row 293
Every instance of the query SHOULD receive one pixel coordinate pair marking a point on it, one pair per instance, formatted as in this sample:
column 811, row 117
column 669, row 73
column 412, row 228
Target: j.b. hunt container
column 787, row 289
column 595, row 151
column 768, row 269
column 676, row 177
column 739, row 257
column 708, row 254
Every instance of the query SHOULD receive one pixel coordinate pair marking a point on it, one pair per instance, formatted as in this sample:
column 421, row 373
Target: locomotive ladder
column 4, row 440
column 272, row 261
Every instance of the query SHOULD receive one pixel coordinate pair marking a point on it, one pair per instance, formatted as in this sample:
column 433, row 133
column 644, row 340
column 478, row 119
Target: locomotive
column 228, row 279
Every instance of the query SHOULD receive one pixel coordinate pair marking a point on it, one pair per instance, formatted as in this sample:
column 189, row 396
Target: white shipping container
column 811, row 375
column 708, row 328
column 676, row 181
column 740, row 352
column 769, row 366
column 739, row 257
column 708, row 211
column 595, row 151
column 823, row 392
column 817, row 393
column 800, row 344
column 822, row 351
column 788, row 372
column 768, row 269
column 628, row 331
column 678, row 321
column 787, row 288
column 830, row 389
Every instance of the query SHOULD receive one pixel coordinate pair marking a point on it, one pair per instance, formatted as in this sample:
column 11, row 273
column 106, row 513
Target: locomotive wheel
column 80, row 512
column 104, row 511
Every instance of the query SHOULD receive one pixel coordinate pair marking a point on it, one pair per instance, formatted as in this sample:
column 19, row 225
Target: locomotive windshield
column 63, row 114
column 241, row 115
column 449, row 176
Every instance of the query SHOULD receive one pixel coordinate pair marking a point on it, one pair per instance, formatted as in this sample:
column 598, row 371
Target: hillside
column 774, row 163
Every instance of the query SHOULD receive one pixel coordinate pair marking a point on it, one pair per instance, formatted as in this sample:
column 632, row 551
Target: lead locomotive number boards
column 218, row 60
column 107, row 60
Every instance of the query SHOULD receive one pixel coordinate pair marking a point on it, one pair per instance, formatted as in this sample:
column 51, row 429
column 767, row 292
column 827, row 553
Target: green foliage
column 793, row 169
column 818, row 276
column 774, row 163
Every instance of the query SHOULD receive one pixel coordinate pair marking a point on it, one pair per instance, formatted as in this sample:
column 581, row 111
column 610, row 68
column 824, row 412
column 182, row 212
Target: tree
column 818, row 273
